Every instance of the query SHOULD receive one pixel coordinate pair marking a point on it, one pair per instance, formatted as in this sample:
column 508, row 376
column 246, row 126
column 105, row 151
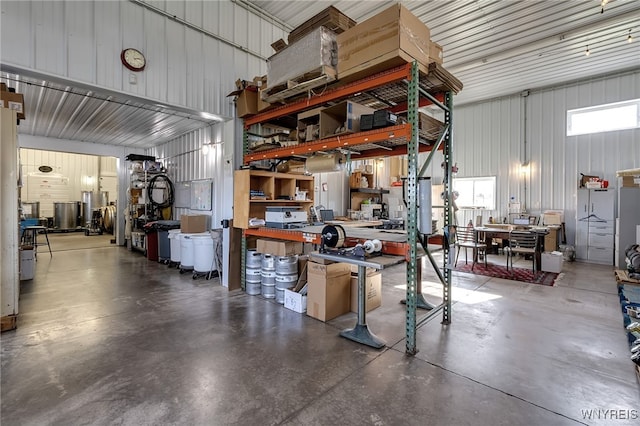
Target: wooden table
column 488, row 233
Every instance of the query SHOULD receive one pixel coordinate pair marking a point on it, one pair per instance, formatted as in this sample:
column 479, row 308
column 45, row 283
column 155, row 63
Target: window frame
column 604, row 108
column 475, row 179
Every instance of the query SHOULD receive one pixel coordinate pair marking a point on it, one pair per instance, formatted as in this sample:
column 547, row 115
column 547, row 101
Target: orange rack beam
column 284, row 234
column 402, row 131
column 396, row 74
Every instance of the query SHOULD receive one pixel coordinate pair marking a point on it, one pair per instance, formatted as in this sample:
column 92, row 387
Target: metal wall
column 489, row 139
column 195, row 50
column 185, row 161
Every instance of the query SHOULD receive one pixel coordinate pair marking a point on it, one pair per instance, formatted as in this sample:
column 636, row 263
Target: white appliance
column 282, row 217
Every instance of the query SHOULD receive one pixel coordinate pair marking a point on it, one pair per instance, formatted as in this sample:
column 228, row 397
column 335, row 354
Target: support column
column 412, row 211
column 9, row 275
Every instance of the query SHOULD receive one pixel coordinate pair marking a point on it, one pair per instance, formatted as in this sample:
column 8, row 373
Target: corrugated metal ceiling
column 65, row 112
column 503, row 47
column 495, row 47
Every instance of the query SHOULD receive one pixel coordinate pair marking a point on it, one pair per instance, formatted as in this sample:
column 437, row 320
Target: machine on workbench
column 332, row 242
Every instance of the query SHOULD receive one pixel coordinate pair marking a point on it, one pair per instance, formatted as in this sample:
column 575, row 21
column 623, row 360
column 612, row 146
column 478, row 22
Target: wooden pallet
column 623, row 277
column 300, row 85
column 9, row 322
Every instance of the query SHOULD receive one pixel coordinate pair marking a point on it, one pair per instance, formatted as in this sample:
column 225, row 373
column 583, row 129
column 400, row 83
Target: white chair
column 466, row 238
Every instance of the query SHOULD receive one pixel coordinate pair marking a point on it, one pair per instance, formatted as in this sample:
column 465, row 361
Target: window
column 604, row 118
column 476, row 193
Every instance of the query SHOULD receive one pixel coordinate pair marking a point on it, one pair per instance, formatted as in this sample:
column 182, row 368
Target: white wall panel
column 185, row 161
column 192, row 61
column 489, row 139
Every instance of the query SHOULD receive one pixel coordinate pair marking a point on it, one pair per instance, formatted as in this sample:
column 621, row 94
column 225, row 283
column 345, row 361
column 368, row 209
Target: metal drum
column 31, row 210
column 204, row 260
column 286, row 275
column 268, row 262
column 89, row 202
column 284, row 282
column 65, row 215
column 254, row 259
column 253, row 274
column 253, row 281
column 174, row 242
column 268, row 281
column 103, row 198
column 109, row 218
column 286, row 265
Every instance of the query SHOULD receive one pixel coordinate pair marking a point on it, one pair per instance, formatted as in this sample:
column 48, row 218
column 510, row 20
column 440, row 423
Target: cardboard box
column 342, row 118
column 373, row 292
column 328, row 290
column 279, row 248
column 327, row 270
column 552, row 262
column 3, row 87
column 14, row 101
column 629, row 181
column 390, row 38
column 330, row 18
column 247, row 102
column 295, row 301
column 436, row 53
column 193, row 224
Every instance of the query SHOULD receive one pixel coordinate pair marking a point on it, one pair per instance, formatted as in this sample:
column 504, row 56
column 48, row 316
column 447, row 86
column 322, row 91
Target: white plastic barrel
column 174, row 240
column 203, row 253
column 187, row 253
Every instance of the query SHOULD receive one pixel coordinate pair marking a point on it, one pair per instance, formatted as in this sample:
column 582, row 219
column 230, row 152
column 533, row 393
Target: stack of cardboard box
column 10, row 99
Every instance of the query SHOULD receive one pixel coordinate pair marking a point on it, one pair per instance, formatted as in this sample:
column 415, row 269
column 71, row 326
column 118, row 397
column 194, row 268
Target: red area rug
column 516, row 274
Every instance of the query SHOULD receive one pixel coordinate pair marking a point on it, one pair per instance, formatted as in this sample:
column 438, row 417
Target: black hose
column 168, row 202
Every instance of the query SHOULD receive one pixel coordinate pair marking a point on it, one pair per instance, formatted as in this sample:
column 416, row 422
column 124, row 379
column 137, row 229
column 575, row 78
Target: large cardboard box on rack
column 342, row 118
column 193, row 223
column 14, row 101
column 328, row 290
column 373, row 292
column 279, row 248
column 390, row 38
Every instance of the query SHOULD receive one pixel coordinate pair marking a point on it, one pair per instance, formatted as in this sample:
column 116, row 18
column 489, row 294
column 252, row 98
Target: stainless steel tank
column 65, row 214
column 104, row 198
column 31, row 210
column 88, row 203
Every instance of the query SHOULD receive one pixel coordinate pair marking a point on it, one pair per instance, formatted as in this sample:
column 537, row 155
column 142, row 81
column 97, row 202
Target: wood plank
column 9, row 322
column 622, row 276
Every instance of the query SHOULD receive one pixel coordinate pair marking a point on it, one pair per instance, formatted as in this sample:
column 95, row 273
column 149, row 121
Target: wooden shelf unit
column 274, row 186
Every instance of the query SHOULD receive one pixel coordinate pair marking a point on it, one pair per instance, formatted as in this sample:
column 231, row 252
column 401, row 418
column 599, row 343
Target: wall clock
column 133, row 59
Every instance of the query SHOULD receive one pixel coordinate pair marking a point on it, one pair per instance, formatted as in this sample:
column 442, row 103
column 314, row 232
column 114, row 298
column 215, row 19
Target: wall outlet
column 133, row 79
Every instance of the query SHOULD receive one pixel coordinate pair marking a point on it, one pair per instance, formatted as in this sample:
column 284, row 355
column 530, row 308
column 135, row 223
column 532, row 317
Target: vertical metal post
column 412, row 211
column 243, row 255
column 448, row 220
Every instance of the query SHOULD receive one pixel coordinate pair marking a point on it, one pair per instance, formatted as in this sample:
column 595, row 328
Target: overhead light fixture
column 603, row 3
column 629, row 38
column 587, row 52
column 206, row 147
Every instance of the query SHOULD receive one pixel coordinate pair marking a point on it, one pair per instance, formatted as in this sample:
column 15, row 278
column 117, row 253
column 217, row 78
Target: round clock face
column 133, row 59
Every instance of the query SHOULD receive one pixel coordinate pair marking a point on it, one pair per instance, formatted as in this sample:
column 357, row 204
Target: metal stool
column 30, row 237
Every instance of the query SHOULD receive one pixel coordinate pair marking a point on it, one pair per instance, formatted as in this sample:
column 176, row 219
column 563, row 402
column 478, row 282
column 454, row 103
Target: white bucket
column 203, row 253
column 187, row 253
column 174, row 240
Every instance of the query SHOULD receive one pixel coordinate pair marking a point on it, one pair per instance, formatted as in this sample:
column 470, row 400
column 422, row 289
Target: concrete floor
column 106, row 337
